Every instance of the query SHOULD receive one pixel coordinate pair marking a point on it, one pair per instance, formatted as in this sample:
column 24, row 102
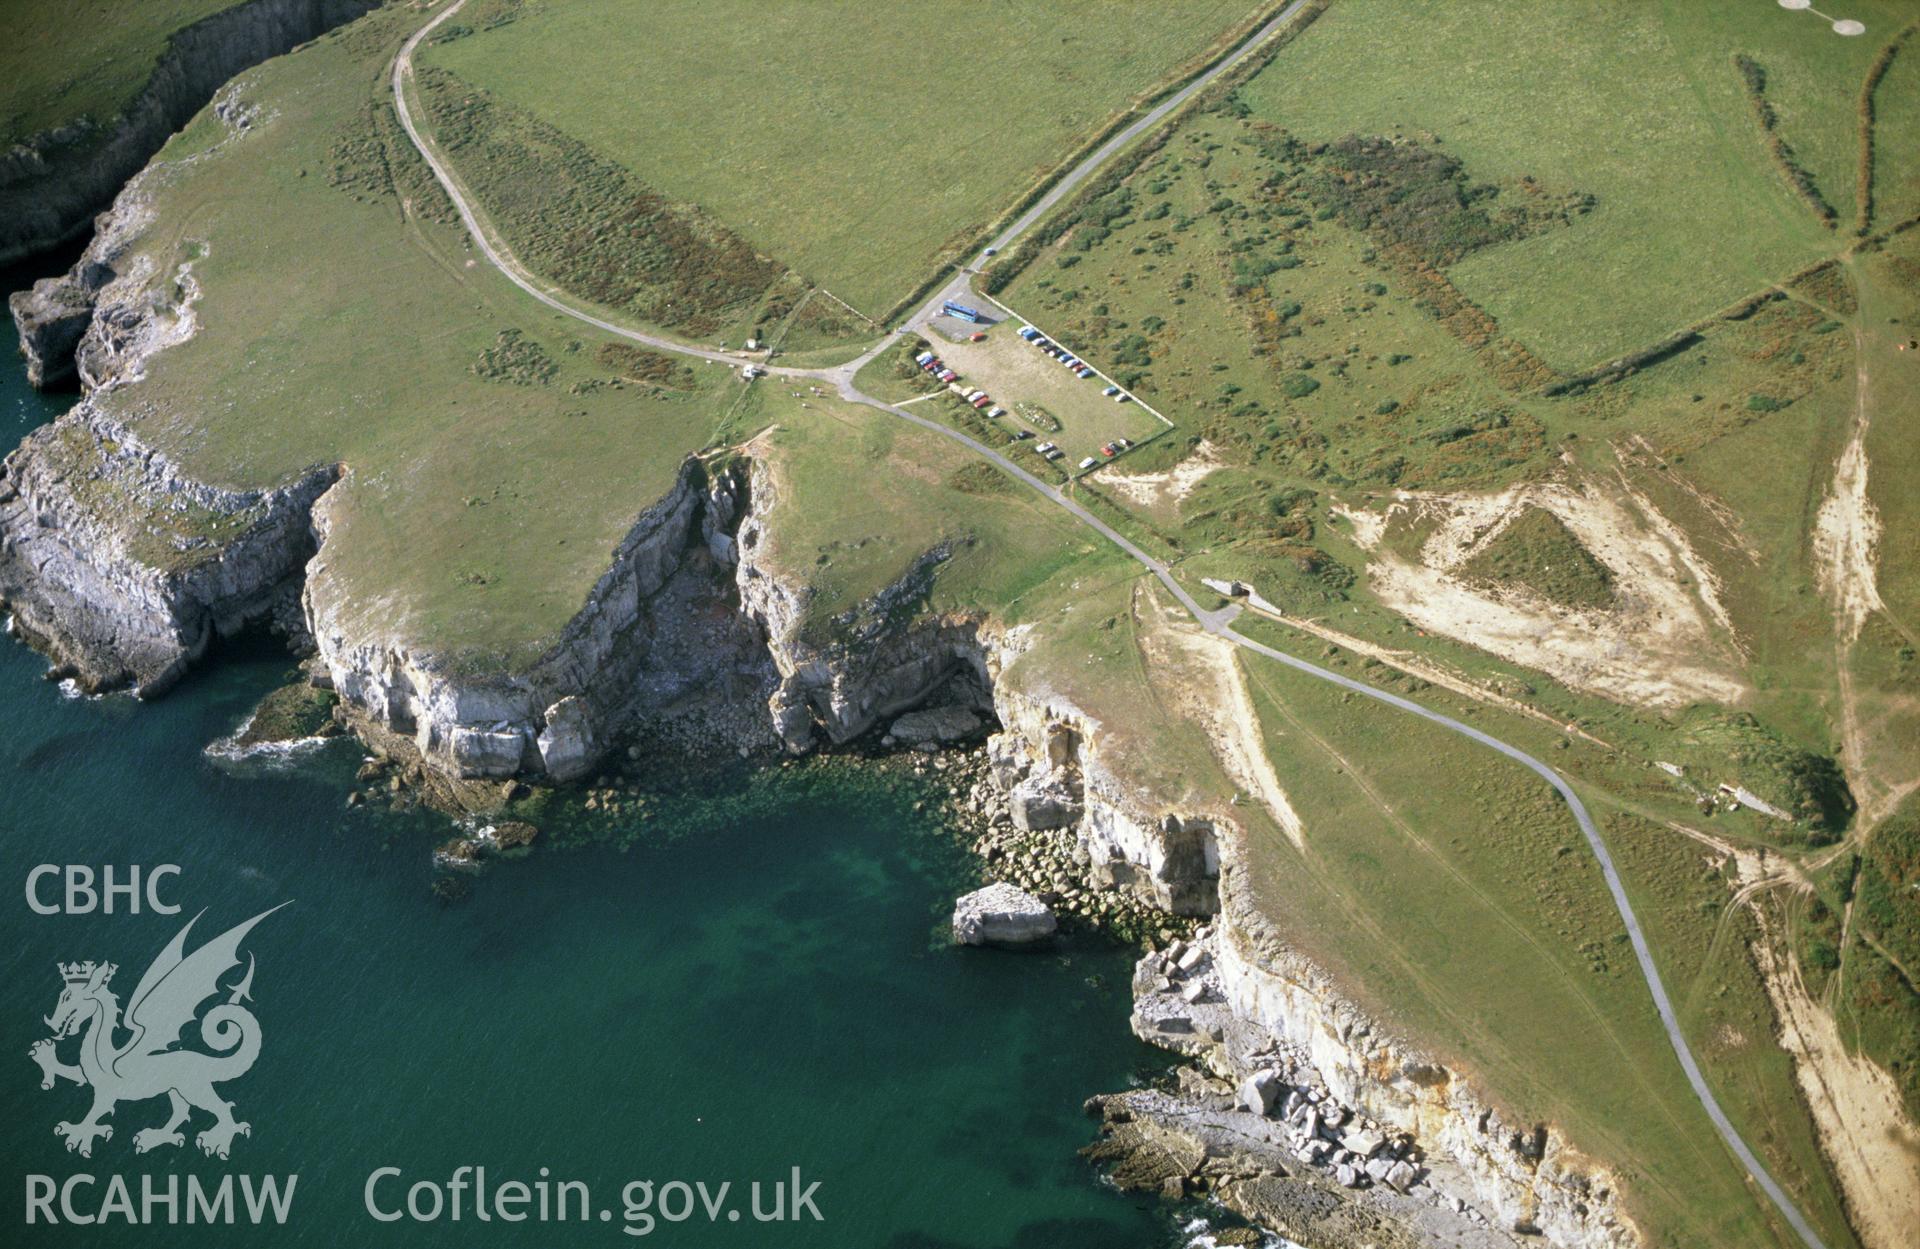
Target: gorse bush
column 1407, row 194
column 639, row 364
column 517, row 360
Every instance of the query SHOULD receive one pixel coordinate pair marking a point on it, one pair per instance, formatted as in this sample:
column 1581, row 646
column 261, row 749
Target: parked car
column 1088, row 463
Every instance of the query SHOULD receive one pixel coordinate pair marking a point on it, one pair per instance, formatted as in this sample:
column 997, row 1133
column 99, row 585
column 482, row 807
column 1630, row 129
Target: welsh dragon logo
column 150, row 1062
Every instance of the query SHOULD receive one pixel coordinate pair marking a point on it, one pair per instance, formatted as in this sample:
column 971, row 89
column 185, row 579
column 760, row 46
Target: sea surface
column 753, row 978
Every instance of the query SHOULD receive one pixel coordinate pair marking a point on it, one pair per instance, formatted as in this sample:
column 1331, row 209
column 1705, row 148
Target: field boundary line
column 821, row 290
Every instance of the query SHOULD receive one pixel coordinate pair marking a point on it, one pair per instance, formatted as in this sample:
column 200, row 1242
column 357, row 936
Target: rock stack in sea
column 1001, row 915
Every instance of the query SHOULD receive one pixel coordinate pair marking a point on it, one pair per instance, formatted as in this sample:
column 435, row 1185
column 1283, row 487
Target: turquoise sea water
column 772, row 990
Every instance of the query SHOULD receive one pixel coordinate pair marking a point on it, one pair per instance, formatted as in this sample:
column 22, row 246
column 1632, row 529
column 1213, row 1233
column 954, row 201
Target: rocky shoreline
column 1305, row 1119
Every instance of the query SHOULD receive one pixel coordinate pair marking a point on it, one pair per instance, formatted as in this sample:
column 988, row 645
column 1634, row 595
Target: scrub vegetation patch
column 592, row 226
column 1537, row 551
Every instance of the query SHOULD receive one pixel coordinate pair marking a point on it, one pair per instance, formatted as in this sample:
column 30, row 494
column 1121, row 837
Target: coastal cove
column 753, row 982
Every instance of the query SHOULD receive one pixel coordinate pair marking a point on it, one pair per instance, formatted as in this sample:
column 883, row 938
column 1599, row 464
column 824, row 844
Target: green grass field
column 67, row 59
column 1424, row 853
column 867, row 495
column 1277, row 335
column 336, row 327
column 1691, row 212
column 855, row 144
column 1896, row 169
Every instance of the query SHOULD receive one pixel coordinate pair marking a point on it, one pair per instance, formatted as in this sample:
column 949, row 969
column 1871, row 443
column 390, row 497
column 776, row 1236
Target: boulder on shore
column 1001, row 914
column 1043, row 802
column 1260, row 1091
column 936, row 724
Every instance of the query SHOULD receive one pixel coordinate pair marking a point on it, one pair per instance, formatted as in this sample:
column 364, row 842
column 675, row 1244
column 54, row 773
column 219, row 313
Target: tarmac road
column 1218, row 623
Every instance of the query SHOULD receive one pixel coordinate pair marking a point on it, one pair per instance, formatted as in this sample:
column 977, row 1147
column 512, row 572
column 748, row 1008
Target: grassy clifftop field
column 855, row 143
column 340, row 318
column 1643, row 107
column 65, row 61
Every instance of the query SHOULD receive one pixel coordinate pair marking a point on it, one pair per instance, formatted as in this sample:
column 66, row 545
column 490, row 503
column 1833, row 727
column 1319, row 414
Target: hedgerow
column 1875, row 72
column 1754, row 76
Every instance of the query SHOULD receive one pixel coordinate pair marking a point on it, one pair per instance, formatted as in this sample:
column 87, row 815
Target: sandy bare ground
column 1215, row 696
column 1846, row 533
column 1666, row 641
column 1167, row 488
column 1863, row 1127
column 1874, row 1147
column 1847, row 529
column 1415, row 666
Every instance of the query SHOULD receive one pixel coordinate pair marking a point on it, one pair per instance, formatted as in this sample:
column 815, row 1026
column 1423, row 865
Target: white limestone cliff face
column 89, row 576
column 839, row 678
column 557, row 716
column 115, row 306
column 115, row 561
column 882, row 658
column 1524, row 1177
column 1050, row 764
column 95, row 579
column 51, row 183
